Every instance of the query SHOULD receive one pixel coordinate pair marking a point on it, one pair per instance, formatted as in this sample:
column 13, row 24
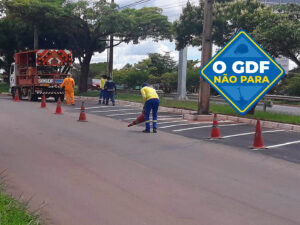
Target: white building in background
column 284, row 62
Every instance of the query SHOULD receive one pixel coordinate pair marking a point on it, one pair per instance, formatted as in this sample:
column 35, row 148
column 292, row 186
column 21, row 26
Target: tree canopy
column 84, row 26
column 275, row 28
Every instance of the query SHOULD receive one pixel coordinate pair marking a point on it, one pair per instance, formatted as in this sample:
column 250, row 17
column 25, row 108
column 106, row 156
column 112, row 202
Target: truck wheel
column 20, row 94
column 13, row 93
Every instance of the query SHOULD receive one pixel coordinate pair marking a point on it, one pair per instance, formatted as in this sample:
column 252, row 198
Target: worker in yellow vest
column 102, row 96
column 69, row 85
column 151, row 103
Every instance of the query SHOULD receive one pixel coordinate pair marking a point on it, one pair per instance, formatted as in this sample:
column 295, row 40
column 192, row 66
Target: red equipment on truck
column 39, row 72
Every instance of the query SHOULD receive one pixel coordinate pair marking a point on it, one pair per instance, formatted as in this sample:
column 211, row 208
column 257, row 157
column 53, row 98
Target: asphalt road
column 282, row 144
column 102, row 173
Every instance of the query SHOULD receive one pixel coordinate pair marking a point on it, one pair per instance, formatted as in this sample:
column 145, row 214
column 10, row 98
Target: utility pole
column 204, row 88
column 111, row 53
column 182, row 65
column 35, row 37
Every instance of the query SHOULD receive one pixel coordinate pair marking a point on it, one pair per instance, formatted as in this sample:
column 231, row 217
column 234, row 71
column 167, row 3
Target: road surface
column 102, row 173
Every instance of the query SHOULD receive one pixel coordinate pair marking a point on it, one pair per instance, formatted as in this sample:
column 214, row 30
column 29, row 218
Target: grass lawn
column 214, row 108
column 4, row 87
column 217, row 108
column 14, row 213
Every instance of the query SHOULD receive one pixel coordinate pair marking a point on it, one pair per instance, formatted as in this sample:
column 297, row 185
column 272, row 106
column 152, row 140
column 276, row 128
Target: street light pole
column 204, row 87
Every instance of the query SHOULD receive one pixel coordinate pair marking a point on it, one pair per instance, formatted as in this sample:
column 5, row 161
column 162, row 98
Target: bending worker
column 69, row 85
column 151, row 103
column 102, row 90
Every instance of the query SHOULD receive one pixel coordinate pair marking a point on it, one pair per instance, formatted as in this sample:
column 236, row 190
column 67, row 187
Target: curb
column 191, row 115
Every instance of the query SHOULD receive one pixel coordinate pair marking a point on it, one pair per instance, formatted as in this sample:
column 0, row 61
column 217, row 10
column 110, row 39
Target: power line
column 134, row 4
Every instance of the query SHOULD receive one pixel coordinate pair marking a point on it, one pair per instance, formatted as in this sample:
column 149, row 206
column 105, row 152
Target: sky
column 130, row 53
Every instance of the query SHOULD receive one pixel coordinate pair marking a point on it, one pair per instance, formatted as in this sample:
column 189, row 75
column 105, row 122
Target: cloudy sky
column 129, row 53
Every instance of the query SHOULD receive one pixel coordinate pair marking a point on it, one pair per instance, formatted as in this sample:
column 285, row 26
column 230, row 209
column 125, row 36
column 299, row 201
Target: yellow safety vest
column 148, row 93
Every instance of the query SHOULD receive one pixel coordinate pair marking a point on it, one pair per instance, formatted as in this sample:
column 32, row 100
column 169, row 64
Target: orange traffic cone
column 16, row 98
column 82, row 116
column 58, row 107
column 140, row 119
column 43, row 103
column 258, row 142
column 215, row 132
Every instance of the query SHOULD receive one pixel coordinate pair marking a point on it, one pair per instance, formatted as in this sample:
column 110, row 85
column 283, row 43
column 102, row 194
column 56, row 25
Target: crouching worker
column 110, row 88
column 102, row 95
column 151, row 103
column 69, row 85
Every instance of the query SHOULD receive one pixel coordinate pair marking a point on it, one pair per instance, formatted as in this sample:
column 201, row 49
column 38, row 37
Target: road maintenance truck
column 38, row 72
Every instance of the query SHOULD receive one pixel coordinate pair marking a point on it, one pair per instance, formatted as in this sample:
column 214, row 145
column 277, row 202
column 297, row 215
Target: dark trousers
column 110, row 95
column 151, row 105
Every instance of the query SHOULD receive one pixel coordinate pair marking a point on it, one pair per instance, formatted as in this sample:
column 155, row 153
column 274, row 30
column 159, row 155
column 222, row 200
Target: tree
column 275, row 28
column 160, row 64
column 84, row 26
column 14, row 36
column 98, row 69
column 92, row 23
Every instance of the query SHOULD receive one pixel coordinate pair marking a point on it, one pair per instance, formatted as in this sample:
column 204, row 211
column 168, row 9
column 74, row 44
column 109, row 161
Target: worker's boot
column 146, row 131
column 154, row 130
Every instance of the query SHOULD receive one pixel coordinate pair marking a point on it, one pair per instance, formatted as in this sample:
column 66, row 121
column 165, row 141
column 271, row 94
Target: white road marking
column 244, row 134
column 225, row 125
column 103, row 106
column 186, row 124
column 159, row 118
column 114, row 110
column 121, row 114
column 182, row 124
column 283, row 144
column 174, row 121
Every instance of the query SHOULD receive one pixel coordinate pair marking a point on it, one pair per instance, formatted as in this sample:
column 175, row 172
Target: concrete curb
column 191, row 115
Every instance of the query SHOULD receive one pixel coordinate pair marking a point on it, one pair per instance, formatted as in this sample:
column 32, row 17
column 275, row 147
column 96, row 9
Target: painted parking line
column 244, row 134
column 123, row 114
column 160, row 117
column 104, row 106
column 283, row 144
column 113, row 110
column 174, row 121
column 186, row 124
column 224, row 125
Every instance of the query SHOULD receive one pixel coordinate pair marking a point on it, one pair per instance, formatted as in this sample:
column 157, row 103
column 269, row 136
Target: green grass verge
column 217, row 108
column 13, row 212
column 214, row 108
column 4, row 87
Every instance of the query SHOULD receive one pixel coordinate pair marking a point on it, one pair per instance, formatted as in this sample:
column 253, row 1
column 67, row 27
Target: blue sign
column 242, row 72
column 59, row 81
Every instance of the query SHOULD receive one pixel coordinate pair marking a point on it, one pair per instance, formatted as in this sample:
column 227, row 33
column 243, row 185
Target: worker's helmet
column 144, row 85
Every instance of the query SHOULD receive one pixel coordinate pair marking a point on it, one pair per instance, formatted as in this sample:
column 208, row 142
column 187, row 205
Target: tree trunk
column 294, row 59
column 84, row 73
column 204, row 90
